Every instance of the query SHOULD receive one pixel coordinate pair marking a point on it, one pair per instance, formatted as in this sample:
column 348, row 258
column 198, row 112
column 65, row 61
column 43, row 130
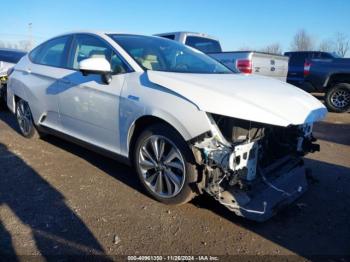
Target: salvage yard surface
column 58, row 198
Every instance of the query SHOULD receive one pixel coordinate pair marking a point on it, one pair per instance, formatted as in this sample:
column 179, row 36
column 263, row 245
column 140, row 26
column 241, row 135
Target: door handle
column 28, row 71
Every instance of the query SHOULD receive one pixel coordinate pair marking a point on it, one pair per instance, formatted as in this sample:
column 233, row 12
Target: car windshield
column 160, row 54
column 11, row 56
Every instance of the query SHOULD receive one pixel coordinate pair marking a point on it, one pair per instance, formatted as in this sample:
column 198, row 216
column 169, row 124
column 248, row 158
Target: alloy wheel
column 162, row 166
column 341, row 98
column 24, row 117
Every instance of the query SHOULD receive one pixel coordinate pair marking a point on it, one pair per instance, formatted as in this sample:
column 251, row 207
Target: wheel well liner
column 338, row 78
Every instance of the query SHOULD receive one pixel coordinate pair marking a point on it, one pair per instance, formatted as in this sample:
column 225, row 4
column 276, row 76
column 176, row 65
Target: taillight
column 307, row 66
column 245, row 66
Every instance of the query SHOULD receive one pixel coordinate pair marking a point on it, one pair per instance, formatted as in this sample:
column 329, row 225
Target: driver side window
column 86, row 46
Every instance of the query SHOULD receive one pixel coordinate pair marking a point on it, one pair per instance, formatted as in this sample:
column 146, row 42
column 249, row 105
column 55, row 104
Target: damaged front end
column 253, row 169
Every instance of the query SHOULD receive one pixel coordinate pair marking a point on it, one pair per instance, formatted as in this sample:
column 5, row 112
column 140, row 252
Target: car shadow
column 110, row 166
column 332, row 132
column 55, row 228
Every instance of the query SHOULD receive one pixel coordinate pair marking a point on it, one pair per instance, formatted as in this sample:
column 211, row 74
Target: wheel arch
column 337, row 78
column 148, row 120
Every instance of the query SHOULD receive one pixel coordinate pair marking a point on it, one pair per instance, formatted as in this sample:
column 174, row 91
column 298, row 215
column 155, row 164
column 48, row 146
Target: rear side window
column 11, row 56
column 87, row 46
column 297, row 59
column 52, row 53
column 322, row 55
column 203, row 44
column 171, row 37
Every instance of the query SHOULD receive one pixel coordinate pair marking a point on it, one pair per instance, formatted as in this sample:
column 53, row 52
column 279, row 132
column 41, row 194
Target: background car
column 246, row 62
column 324, row 72
column 8, row 58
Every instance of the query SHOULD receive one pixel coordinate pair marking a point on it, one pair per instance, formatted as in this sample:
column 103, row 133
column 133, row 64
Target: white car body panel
column 46, row 81
column 89, row 109
column 84, row 107
column 254, row 98
column 142, row 98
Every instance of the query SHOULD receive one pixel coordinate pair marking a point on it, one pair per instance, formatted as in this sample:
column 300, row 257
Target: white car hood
column 254, row 98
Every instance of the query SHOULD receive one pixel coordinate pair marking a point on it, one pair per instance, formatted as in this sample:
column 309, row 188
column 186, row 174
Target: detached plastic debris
column 116, row 240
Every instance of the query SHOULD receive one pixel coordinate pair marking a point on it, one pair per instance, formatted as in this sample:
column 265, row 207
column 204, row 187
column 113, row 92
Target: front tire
column 165, row 165
column 25, row 120
column 338, row 98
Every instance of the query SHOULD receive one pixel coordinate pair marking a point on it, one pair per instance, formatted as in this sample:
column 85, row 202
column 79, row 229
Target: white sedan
column 185, row 122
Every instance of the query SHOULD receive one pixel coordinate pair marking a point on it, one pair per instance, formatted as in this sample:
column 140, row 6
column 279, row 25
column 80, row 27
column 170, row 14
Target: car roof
column 188, row 33
column 96, row 33
column 13, row 50
column 296, row 52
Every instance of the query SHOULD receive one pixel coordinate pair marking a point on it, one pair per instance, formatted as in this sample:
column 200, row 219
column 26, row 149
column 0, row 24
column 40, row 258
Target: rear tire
column 338, row 98
column 25, row 120
column 165, row 165
column 3, row 97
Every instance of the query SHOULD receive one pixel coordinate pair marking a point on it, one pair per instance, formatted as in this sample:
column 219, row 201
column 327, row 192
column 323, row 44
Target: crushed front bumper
column 271, row 196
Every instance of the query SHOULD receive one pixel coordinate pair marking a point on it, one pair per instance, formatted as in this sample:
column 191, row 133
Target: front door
column 89, row 108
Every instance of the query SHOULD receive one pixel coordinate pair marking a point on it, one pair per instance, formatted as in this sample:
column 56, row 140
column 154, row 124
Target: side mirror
column 96, row 65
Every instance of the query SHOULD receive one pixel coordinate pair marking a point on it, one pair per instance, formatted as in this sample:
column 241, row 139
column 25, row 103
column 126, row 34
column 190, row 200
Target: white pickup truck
column 247, row 62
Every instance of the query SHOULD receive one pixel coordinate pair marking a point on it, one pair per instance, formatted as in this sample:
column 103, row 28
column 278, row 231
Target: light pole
column 30, row 36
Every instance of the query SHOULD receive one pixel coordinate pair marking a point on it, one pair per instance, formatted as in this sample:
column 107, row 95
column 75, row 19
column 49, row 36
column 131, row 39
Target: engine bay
column 253, row 168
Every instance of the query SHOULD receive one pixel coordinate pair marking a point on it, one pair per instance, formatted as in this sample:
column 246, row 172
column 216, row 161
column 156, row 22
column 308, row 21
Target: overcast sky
column 236, row 24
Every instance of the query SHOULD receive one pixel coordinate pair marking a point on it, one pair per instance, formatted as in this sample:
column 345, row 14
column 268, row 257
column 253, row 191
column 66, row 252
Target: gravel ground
column 57, row 198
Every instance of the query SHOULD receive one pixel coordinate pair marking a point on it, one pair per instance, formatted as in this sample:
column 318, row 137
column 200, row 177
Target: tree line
column 21, row 44
column 303, row 41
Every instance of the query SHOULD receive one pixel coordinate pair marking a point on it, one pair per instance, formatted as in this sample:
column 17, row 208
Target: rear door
column 270, row 65
column 42, row 76
column 89, row 108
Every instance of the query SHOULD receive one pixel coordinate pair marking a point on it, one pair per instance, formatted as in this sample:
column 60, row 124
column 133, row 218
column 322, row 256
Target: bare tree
column 302, row 41
column 272, row 49
column 342, row 44
column 245, row 48
column 326, row 46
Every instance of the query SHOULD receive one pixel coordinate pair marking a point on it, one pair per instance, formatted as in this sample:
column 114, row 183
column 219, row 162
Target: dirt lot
column 57, row 198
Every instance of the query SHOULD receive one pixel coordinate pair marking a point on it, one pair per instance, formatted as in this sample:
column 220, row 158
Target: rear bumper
column 274, row 195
